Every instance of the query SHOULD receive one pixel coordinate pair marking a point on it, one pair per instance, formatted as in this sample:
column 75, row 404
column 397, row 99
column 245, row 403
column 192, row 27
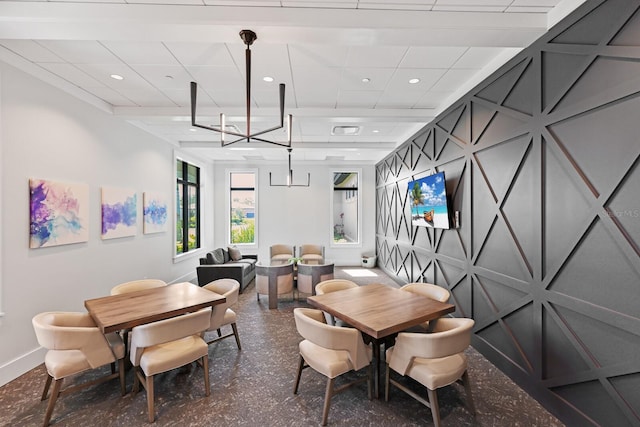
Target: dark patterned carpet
column 254, row 387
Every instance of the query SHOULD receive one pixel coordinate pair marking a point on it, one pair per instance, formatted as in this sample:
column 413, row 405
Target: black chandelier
column 248, row 37
column 290, row 177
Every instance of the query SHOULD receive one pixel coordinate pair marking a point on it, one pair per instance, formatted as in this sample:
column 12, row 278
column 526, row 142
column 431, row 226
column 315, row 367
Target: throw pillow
column 218, row 256
column 235, row 254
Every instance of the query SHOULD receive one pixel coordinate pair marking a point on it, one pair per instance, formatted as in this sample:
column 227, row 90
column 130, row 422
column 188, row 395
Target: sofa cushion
column 217, row 256
column 227, row 257
column 234, row 253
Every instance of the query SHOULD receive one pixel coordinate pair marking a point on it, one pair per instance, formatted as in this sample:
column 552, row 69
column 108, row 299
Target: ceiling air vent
column 345, row 130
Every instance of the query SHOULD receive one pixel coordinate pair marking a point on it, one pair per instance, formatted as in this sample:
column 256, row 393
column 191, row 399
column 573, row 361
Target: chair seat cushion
column 281, row 257
column 62, row 363
column 312, row 257
column 436, row 373
column 330, row 363
column 167, row 356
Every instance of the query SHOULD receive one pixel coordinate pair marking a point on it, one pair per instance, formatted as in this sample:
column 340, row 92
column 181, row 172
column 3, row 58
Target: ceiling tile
column 453, row 79
column 72, row 74
column 201, row 53
column 477, row 57
column 375, row 56
column 81, row 52
column 358, row 98
column 378, row 78
column 318, row 55
column 165, row 76
column 141, row 53
column 31, row 50
column 431, row 57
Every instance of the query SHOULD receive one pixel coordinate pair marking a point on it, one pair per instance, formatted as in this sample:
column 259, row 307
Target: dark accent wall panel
column 542, row 161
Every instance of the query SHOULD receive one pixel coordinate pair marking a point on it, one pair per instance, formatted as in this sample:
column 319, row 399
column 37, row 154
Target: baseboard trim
column 21, row 365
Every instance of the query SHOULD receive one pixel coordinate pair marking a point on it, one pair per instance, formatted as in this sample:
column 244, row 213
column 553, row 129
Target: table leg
column 376, row 356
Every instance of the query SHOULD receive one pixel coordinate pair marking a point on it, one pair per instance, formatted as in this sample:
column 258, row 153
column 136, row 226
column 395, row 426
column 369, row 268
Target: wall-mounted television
column 428, row 198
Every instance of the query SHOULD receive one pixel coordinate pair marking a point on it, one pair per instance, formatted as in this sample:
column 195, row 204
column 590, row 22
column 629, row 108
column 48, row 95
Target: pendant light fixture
column 248, row 37
column 290, row 176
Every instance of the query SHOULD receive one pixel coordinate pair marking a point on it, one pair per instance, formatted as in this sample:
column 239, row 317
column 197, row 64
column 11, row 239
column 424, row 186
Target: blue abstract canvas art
column 58, row 213
column 154, row 212
column 119, row 212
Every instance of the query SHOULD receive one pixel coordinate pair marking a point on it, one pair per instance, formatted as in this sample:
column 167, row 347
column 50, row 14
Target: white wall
column 51, row 135
column 299, row 215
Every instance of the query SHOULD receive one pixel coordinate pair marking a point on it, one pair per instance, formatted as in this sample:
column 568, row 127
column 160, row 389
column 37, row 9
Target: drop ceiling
column 346, row 64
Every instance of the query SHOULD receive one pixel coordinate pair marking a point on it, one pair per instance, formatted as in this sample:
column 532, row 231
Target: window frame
column 256, row 213
column 189, row 161
column 351, row 193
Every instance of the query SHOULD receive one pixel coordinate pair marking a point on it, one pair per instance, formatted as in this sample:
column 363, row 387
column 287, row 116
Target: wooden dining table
column 125, row 311
column 380, row 312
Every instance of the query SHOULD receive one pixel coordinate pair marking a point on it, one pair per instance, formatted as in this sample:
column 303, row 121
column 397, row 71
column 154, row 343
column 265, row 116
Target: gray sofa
column 218, row 264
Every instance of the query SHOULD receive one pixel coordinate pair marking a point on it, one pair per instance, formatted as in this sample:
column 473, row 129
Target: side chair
column 434, row 360
column 222, row 314
column 330, row 351
column 75, row 344
column 168, row 344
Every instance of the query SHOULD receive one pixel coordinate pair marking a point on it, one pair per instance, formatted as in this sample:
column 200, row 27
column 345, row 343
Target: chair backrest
column 429, row 290
column 280, row 249
column 312, row 253
column 228, row 288
column 167, row 330
column 450, row 336
column 74, row 331
column 309, row 275
column 137, row 285
column 311, row 326
column 281, row 274
column 333, row 285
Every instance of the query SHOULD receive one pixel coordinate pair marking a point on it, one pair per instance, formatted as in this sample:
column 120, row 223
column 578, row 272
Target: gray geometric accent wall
column 542, row 161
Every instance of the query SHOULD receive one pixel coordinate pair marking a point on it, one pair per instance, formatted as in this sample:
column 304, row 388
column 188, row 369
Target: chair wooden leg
column 46, row 387
column 327, row 400
column 205, row 366
column 435, row 408
column 300, row 367
column 123, row 384
column 370, row 381
column 136, row 381
column 57, row 384
column 235, row 332
column 467, row 389
column 150, row 408
column 386, row 383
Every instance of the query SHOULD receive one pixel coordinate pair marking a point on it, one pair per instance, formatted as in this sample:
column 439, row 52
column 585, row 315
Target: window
column 187, row 207
column 242, row 214
column 345, row 208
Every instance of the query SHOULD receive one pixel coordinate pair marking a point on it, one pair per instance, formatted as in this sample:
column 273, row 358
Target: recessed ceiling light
column 375, row 131
column 345, row 130
column 193, row 130
column 414, row 81
column 366, row 80
column 117, row 77
column 267, row 79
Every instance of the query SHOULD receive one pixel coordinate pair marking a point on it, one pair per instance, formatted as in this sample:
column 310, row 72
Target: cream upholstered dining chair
column 168, row 344
column 280, row 276
column 429, row 290
column 132, row 286
column 331, row 351
column 75, row 344
column 281, row 254
column 309, row 275
column 333, row 285
column 434, row 360
column 221, row 314
column 137, row 285
column 312, row 254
